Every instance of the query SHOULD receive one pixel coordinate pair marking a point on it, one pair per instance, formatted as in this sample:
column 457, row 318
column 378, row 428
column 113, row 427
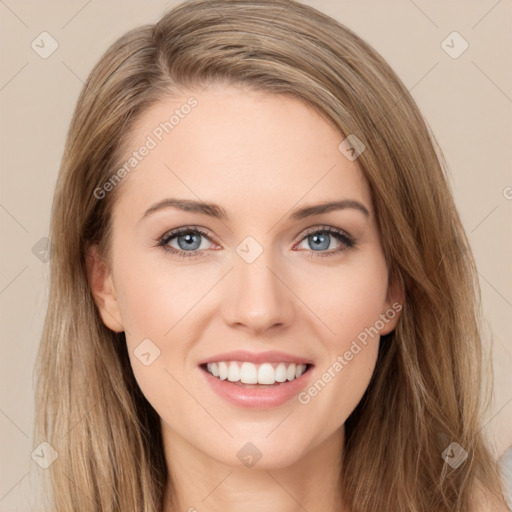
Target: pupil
column 318, row 241
column 189, row 239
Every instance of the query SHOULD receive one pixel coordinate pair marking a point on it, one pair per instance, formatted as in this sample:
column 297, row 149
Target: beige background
column 467, row 102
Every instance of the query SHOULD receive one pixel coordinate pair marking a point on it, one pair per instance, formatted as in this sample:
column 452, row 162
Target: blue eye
column 189, row 240
column 319, row 240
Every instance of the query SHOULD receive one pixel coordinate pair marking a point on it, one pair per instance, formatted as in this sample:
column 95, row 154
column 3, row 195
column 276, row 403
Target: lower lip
column 271, row 396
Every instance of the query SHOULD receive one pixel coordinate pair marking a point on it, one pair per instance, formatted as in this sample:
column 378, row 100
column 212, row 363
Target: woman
column 262, row 296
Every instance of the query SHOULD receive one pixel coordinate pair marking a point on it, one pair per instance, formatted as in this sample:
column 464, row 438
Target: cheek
column 350, row 304
column 158, row 303
column 337, row 389
column 154, row 298
column 348, row 299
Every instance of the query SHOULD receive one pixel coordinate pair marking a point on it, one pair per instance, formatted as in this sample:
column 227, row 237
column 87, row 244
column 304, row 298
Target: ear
column 102, row 287
column 394, row 305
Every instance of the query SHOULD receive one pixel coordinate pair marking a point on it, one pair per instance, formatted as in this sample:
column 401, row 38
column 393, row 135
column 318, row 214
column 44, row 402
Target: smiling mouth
column 249, row 375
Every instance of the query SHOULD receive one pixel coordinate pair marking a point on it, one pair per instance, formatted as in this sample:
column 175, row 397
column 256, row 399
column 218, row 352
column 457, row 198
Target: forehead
column 241, row 148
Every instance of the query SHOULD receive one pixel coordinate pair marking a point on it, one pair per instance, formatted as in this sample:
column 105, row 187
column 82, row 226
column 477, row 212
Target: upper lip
column 272, row 356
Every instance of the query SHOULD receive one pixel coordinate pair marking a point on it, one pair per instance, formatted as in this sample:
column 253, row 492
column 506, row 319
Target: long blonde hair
column 425, row 393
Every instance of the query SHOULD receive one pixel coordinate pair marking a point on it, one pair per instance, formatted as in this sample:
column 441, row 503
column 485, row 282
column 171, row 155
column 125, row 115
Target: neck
column 198, row 482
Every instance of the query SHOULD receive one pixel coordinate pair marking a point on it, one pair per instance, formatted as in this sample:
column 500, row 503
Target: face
column 257, row 270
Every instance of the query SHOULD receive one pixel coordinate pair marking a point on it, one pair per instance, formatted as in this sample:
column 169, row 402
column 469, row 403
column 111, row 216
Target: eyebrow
column 217, row 212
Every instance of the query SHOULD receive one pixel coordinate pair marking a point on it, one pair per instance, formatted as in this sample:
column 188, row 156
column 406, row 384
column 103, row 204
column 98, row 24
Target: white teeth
column 290, row 372
column 266, row 374
column 213, row 369
column 281, row 372
column 223, row 370
column 249, row 373
column 233, row 372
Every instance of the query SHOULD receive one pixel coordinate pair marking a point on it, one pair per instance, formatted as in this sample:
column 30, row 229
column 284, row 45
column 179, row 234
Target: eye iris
column 189, row 238
column 316, row 237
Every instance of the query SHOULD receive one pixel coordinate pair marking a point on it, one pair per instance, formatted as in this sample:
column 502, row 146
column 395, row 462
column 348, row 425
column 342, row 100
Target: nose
column 258, row 298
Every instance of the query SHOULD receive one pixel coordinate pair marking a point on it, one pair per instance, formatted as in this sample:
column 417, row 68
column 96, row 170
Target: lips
column 256, row 379
column 272, row 356
column 260, row 396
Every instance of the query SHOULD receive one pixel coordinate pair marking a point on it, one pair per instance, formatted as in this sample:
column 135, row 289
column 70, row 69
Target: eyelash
column 347, row 242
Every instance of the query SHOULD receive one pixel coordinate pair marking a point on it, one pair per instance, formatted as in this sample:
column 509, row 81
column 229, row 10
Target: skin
column 260, row 157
